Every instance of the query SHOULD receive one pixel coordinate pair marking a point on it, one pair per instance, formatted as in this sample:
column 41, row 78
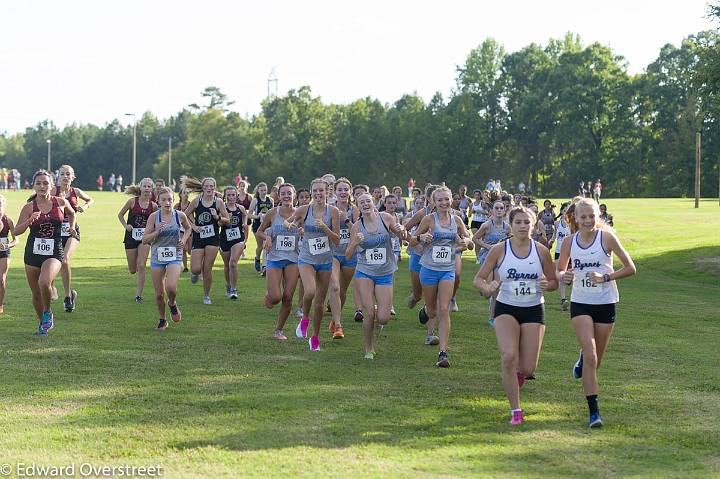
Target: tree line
column 547, row 115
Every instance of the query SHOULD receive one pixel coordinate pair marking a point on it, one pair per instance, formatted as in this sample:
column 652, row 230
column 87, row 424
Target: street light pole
column 134, row 157
column 169, row 161
column 49, row 144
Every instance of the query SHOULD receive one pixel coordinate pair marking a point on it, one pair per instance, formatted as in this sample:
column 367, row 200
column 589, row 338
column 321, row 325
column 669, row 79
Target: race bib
column 285, row 243
column 522, row 291
column 65, row 229
column 587, row 286
column 442, row 254
column 319, row 245
column 137, row 233
column 344, row 236
column 165, row 254
column 207, row 231
column 376, row 256
column 232, row 234
column 44, row 246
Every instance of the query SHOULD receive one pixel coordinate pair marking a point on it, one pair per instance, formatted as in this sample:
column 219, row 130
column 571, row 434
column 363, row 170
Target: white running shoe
column 207, row 300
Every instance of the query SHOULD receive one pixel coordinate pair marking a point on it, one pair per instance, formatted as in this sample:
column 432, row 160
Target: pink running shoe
column 521, row 379
column 314, row 343
column 302, row 327
column 517, row 417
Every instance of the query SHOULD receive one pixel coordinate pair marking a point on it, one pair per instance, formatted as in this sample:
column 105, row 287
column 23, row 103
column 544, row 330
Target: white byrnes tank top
column 563, row 231
column 586, row 260
column 520, row 277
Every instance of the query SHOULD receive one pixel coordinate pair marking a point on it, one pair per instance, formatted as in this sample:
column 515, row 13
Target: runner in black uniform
column 139, row 209
column 44, row 215
column 232, row 239
column 259, row 206
column 209, row 212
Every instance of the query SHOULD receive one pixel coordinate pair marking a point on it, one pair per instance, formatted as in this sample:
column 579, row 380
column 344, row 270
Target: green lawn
column 216, row 396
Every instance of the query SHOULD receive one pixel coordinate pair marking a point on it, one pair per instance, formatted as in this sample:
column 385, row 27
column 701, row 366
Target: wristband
column 606, row 278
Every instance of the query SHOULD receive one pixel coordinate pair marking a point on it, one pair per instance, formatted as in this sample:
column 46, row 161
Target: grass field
column 216, row 396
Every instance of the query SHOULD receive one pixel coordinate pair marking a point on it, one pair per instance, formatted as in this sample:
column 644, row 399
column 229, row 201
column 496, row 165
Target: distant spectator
column 173, row 184
column 111, row 182
column 238, row 179
column 490, row 186
column 3, row 179
column 521, row 188
column 589, row 189
column 100, row 182
column 597, row 190
column 118, row 183
column 18, row 183
column 11, row 179
column 581, row 190
column 411, row 185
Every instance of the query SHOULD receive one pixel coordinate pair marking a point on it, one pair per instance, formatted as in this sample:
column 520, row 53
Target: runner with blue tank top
column 320, row 224
column 281, row 254
column 492, row 232
column 594, row 292
column 233, row 236
column 167, row 231
column 524, row 270
column 343, row 269
column 209, row 213
column 390, row 206
column 414, row 260
column 439, row 234
column 371, row 241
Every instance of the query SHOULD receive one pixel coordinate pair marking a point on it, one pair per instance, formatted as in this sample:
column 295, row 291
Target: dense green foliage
column 216, row 396
column 545, row 115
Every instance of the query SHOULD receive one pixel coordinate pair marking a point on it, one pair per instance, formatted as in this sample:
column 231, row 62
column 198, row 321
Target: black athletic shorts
column 522, row 314
column 32, row 259
column 201, row 243
column 600, row 313
column 476, row 224
column 226, row 245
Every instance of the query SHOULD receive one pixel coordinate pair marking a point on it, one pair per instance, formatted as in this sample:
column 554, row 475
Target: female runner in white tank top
column 524, row 270
column 594, row 292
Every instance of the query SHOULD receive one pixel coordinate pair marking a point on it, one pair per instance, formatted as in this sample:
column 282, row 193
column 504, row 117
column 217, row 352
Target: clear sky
column 93, row 61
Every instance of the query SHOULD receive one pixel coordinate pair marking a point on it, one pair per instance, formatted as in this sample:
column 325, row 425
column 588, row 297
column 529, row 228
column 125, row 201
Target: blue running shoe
column 41, row 331
column 257, row 264
column 595, row 420
column 577, row 369
column 47, row 322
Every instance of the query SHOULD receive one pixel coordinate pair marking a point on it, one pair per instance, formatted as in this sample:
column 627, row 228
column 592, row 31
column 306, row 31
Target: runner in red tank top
column 5, row 245
column 138, row 208
column 72, row 195
column 44, row 254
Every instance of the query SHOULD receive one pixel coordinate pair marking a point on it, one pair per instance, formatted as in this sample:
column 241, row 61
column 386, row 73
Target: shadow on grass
column 218, row 380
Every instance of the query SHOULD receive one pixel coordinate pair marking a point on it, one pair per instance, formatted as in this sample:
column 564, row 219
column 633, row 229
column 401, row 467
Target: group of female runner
column 338, row 235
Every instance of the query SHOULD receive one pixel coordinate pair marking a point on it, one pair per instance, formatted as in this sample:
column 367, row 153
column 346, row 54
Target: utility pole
column 698, row 152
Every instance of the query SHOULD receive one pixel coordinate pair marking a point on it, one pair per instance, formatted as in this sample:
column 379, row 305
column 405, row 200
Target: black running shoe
column 423, row 316
column 359, row 316
column 70, row 301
